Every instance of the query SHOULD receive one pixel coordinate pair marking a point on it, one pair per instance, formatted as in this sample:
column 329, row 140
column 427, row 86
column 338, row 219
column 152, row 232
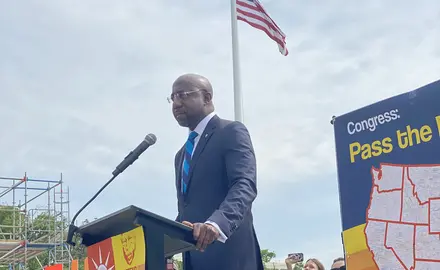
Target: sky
column 82, row 83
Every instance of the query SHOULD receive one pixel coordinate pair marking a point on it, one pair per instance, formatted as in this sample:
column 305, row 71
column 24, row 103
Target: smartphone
column 298, row 257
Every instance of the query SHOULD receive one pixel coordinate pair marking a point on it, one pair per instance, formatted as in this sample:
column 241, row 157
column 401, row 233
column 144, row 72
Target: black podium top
column 177, row 237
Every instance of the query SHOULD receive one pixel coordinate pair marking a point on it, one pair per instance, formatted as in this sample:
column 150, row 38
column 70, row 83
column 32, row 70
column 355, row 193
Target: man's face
column 187, row 102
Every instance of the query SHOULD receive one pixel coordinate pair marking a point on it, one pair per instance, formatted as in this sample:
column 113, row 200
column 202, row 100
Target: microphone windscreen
column 150, row 139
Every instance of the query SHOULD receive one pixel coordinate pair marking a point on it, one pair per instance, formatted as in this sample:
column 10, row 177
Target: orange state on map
column 125, row 251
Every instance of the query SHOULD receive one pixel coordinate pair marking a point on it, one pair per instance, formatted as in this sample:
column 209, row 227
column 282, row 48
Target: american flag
column 253, row 13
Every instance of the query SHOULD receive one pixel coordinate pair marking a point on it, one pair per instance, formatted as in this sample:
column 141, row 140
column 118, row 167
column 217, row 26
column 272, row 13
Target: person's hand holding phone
column 293, row 258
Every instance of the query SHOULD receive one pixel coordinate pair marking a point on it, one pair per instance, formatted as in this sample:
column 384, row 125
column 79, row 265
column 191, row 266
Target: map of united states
column 403, row 217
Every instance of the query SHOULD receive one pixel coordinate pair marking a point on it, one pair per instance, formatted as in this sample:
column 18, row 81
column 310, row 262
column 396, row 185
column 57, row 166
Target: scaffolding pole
column 22, row 239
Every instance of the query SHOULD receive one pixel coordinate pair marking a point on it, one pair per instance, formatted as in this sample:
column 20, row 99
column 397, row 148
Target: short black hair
column 338, row 259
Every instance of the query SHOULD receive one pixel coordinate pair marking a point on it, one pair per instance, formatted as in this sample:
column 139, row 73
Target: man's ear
column 207, row 97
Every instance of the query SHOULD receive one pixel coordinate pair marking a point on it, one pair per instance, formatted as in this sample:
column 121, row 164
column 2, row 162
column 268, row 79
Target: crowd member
column 171, row 265
column 338, row 264
column 311, row 264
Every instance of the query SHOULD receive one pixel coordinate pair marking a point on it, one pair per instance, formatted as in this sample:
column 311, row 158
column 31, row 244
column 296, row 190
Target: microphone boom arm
column 149, row 140
column 72, row 228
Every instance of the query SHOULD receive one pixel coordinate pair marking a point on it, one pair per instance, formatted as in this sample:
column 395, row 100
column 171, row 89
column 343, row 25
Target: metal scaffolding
column 35, row 223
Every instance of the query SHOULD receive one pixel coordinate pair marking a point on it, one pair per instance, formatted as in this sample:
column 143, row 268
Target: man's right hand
column 203, row 233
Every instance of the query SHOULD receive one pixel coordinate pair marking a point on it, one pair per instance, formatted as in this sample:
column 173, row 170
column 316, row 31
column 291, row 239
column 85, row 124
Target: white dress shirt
column 200, row 128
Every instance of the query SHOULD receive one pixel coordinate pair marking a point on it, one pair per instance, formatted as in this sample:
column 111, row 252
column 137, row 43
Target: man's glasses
column 180, row 95
column 339, row 268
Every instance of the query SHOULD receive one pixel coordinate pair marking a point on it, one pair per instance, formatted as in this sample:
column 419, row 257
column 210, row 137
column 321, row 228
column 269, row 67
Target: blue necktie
column 189, row 147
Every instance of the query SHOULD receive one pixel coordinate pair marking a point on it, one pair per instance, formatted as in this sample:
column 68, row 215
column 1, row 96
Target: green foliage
column 40, row 230
column 10, row 217
column 179, row 265
column 41, row 226
column 267, row 255
column 79, row 251
column 299, row 266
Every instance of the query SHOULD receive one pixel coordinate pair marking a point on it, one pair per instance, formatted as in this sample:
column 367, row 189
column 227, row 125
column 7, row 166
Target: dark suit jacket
column 222, row 188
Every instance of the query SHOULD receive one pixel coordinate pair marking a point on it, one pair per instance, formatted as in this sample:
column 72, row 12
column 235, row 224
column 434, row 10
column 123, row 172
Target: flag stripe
column 243, row 13
column 263, row 27
column 253, row 13
column 258, row 10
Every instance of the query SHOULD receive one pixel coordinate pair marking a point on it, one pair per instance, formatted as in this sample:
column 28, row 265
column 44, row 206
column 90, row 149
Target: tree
column 11, row 222
column 40, row 228
column 267, row 255
column 179, row 265
column 299, row 266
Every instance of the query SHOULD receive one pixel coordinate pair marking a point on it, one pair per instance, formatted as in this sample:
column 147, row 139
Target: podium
column 162, row 238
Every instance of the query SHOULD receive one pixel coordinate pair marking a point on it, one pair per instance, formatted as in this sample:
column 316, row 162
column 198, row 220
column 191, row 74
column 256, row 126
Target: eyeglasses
column 339, row 268
column 180, row 95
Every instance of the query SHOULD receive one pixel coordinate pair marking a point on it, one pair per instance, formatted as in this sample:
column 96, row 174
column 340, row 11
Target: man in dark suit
column 215, row 181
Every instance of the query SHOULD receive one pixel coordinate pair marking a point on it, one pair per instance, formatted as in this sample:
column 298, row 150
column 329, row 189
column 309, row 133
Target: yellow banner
column 125, row 251
column 129, row 249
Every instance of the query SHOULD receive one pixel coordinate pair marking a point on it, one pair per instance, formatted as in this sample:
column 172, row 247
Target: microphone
column 149, row 140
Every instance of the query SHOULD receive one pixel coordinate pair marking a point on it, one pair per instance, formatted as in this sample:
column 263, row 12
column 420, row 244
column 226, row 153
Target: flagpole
column 238, row 98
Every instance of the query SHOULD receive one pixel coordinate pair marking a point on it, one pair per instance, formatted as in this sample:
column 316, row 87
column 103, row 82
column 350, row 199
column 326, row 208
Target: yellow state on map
column 357, row 254
column 129, row 249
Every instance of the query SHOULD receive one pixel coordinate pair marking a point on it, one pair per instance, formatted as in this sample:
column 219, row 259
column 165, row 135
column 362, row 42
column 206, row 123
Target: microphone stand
column 72, row 228
column 149, row 140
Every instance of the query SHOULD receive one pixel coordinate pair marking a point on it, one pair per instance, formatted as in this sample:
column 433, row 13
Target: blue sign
column 388, row 160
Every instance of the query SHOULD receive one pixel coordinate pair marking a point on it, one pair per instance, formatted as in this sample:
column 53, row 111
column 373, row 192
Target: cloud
column 81, row 84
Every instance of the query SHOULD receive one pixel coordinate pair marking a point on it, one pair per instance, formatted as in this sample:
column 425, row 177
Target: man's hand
column 203, row 233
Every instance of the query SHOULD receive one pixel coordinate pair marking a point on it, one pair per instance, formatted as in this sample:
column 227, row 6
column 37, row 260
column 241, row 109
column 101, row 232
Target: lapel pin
column 206, row 135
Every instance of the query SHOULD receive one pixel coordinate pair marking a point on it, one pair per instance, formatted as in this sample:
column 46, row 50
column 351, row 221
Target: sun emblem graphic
column 102, row 266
